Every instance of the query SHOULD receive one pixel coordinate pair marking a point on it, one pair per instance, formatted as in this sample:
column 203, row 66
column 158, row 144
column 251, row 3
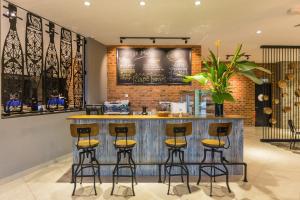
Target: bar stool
column 121, row 132
column 216, row 146
column 176, row 142
column 86, row 146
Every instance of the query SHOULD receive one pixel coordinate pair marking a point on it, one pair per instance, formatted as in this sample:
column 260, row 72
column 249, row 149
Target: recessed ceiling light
column 142, row 3
column 197, row 3
column 258, row 32
column 87, row 3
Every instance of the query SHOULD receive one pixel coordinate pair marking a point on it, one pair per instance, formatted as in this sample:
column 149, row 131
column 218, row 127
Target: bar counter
column 150, row 150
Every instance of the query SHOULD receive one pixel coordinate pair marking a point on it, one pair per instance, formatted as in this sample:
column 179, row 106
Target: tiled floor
column 274, row 173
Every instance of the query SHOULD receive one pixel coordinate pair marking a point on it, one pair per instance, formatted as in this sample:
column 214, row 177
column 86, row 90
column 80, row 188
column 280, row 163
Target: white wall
column 29, row 141
column 96, row 67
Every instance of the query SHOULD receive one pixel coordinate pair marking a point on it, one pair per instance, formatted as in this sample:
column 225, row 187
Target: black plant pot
column 144, row 110
column 219, row 110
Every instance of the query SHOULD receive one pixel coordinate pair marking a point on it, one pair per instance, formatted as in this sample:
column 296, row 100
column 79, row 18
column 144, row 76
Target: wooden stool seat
column 175, row 143
column 88, row 144
column 124, row 143
column 213, row 143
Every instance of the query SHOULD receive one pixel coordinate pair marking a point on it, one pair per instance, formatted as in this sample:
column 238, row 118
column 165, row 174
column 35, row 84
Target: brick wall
column 150, row 95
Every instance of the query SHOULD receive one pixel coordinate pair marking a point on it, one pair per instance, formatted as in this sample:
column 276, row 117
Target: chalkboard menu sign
column 153, row 66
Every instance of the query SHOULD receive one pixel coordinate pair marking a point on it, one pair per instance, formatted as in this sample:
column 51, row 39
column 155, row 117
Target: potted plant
column 218, row 74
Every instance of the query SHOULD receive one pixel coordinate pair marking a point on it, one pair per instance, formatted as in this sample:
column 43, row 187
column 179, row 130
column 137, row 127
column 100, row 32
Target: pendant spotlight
column 142, row 3
column 197, row 3
column 153, row 39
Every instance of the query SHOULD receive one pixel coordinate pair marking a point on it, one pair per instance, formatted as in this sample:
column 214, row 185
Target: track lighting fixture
column 247, row 56
column 185, row 39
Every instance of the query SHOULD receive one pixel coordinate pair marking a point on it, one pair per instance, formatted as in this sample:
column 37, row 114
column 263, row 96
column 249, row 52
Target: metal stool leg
column 181, row 158
column 226, row 171
column 113, row 180
column 98, row 166
column 81, row 172
column 170, row 170
column 76, row 172
column 185, row 169
column 166, row 163
column 94, row 173
column 134, row 165
column 129, row 152
column 213, row 161
column 116, row 170
column 119, row 155
column 211, row 171
column 200, row 167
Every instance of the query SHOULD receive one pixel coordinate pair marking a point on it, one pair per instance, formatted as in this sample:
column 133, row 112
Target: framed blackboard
column 153, row 66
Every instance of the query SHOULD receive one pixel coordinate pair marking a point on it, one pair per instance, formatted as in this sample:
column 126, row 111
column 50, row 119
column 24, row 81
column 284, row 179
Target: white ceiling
column 231, row 21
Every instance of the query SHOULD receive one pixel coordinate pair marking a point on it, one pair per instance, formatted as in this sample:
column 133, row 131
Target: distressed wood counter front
column 150, row 136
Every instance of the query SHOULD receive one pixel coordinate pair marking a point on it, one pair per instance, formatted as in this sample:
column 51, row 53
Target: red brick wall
column 150, row 95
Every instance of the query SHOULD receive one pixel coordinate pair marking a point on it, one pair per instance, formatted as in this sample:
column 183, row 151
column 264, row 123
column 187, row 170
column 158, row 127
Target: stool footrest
column 212, row 175
column 214, row 167
column 124, row 175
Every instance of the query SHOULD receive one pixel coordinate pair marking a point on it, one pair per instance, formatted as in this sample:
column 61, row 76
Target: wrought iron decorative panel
column 78, row 75
column 65, row 52
column 34, row 45
column 65, row 59
column 12, row 59
column 51, row 83
column 49, row 74
column 34, row 56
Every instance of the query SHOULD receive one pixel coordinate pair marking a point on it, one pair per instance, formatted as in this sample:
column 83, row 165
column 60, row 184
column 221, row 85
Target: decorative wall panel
column 42, row 67
column 65, row 59
column 284, row 63
column 51, row 83
column 78, row 75
column 12, row 61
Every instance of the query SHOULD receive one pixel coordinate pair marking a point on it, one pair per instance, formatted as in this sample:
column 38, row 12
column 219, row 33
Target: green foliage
column 218, row 74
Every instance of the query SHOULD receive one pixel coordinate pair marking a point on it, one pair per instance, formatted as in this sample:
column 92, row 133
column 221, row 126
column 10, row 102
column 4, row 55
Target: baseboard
column 33, row 169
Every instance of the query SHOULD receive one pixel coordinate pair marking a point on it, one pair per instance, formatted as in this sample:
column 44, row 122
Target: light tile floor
column 274, row 173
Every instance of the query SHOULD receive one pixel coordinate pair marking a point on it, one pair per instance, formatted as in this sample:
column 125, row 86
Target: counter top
column 150, row 117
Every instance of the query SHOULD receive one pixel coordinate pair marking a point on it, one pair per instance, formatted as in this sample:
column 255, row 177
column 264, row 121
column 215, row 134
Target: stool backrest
column 291, row 126
column 84, row 130
column 122, row 129
column 179, row 130
column 220, row 129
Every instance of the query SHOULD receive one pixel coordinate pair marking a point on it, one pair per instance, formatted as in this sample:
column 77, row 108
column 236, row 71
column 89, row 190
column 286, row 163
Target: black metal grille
column 283, row 61
column 48, row 74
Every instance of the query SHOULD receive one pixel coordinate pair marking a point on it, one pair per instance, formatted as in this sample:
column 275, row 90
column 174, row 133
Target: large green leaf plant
column 218, row 74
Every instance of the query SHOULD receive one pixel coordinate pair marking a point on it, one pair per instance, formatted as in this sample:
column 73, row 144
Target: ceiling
column 231, row 21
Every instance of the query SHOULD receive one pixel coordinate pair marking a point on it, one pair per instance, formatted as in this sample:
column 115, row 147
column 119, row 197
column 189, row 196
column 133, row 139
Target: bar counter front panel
column 150, row 136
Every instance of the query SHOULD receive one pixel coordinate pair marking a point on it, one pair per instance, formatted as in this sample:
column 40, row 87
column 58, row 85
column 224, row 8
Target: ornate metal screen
column 284, row 62
column 42, row 66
